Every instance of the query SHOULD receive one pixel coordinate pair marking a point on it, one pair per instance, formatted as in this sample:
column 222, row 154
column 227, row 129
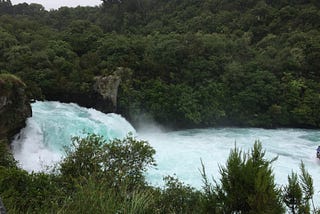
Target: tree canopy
column 193, row 63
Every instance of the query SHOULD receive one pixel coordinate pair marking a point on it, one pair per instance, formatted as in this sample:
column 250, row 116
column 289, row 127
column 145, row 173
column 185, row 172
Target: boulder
column 15, row 107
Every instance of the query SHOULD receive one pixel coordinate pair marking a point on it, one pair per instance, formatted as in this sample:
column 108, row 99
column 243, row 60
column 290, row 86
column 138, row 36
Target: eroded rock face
column 15, row 107
column 102, row 94
column 107, row 87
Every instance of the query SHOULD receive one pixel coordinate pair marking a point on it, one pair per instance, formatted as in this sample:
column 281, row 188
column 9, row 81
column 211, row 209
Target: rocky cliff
column 15, row 107
column 107, row 88
column 102, row 95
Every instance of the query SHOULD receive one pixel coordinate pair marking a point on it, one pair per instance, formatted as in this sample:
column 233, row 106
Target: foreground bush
column 6, row 158
column 118, row 163
column 299, row 192
column 247, row 184
column 97, row 197
column 36, row 192
column 93, row 169
column 177, row 197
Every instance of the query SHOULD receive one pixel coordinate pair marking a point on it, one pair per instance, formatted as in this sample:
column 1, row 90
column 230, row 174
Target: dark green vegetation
column 14, row 105
column 100, row 177
column 192, row 63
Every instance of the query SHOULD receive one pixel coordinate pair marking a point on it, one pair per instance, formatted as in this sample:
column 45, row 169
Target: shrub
column 247, row 184
column 7, row 81
column 23, row 192
column 117, row 162
column 92, row 197
column 299, row 192
column 6, row 158
column 177, row 197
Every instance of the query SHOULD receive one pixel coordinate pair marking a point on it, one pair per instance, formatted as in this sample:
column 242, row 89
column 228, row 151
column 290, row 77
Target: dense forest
column 189, row 63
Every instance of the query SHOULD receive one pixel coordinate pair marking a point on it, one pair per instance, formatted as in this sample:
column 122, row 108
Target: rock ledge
column 15, row 106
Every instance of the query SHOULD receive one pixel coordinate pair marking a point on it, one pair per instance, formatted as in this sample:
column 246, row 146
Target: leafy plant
column 116, row 162
column 6, row 158
column 247, row 183
column 299, row 192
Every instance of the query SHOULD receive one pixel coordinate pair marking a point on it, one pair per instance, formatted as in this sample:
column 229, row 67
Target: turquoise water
column 177, row 153
column 52, row 126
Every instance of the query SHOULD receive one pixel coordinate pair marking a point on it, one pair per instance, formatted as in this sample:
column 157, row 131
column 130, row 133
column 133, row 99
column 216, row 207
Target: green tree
column 117, row 162
column 5, row 6
column 299, row 192
column 293, row 193
column 82, row 36
column 247, row 184
column 177, row 197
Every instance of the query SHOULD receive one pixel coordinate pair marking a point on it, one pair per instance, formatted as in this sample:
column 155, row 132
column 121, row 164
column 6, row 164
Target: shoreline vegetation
column 100, row 177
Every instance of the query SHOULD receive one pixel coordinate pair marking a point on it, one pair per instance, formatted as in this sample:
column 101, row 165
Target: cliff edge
column 15, row 107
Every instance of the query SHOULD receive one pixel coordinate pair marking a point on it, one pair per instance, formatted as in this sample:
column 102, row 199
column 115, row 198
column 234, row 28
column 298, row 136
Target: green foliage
column 193, row 63
column 247, row 184
column 298, row 193
column 189, row 64
column 97, row 197
column 306, row 183
column 6, row 158
column 210, row 203
column 117, row 166
column 293, row 193
column 82, row 36
column 9, row 81
column 118, row 163
column 25, row 192
column 177, row 197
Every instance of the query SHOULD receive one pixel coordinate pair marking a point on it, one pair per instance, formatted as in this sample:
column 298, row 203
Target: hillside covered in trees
column 189, row 63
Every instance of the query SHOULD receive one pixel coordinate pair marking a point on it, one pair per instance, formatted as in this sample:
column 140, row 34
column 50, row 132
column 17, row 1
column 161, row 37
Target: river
column 178, row 153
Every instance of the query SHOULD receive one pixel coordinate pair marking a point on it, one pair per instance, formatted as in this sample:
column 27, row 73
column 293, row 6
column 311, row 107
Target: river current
column 179, row 153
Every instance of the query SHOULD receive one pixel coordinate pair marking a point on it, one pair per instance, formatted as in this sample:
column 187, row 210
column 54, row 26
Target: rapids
column 178, row 153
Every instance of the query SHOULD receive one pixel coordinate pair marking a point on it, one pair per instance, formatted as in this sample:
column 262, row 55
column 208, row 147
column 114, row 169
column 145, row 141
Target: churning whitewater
column 42, row 142
column 53, row 124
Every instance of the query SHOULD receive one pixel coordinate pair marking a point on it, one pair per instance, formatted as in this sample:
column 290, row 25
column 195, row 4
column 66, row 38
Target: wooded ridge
column 189, row 63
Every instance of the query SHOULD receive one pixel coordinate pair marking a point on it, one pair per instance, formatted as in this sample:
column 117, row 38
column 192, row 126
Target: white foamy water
column 41, row 143
column 179, row 152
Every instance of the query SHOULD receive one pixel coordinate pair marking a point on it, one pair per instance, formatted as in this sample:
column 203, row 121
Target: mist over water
column 179, row 152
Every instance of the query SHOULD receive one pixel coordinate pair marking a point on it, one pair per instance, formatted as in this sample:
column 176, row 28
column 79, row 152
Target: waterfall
column 41, row 143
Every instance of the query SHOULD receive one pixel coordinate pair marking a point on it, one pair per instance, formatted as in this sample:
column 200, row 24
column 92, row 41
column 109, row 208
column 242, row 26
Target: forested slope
column 191, row 63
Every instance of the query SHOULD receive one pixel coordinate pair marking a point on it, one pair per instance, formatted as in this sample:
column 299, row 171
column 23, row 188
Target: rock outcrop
column 107, row 88
column 15, row 107
column 102, row 94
